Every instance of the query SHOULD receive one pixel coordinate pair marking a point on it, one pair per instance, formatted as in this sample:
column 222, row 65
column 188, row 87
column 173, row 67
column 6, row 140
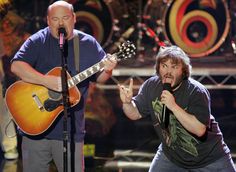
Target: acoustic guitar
column 34, row 108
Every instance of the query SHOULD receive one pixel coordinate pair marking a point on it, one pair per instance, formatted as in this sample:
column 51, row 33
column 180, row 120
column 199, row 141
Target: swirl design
column 198, row 27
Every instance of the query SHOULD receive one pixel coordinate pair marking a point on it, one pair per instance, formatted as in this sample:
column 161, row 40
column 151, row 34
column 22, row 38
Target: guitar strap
column 76, row 50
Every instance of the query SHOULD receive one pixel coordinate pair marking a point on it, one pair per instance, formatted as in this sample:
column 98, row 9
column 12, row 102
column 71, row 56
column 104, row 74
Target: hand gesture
column 126, row 93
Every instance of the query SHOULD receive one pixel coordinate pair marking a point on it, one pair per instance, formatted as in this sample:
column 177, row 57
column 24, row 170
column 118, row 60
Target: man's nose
column 61, row 22
column 169, row 70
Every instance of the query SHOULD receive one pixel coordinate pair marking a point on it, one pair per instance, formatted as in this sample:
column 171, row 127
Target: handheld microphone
column 62, row 34
column 165, row 111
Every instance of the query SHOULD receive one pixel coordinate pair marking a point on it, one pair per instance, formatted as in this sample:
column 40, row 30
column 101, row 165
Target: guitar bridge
column 38, row 102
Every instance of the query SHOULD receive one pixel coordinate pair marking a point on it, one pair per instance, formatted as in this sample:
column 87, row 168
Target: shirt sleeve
column 199, row 105
column 27, row 52
column 141, row 100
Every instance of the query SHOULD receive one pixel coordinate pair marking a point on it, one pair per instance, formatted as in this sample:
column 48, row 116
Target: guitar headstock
column 126, row 50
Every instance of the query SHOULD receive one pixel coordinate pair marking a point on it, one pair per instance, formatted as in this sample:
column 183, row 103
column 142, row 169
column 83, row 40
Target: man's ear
column 47, row 20
column 74, row 17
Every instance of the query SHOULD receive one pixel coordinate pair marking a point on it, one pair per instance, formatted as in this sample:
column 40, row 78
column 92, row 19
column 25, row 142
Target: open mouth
column 168, row 79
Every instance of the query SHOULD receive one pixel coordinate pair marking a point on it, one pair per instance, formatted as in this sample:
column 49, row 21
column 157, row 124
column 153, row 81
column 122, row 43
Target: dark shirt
column 42, row 52
column 180, row 146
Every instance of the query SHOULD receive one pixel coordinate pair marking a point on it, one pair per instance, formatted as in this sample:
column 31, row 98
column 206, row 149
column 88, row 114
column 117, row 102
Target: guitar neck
column 86, row 73
column 126, row 50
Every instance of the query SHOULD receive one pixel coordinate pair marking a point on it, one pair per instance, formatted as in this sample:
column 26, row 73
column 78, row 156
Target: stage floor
column 112, row 166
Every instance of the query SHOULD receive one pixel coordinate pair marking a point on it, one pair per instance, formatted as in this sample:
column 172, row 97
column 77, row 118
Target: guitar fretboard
column 85, row 74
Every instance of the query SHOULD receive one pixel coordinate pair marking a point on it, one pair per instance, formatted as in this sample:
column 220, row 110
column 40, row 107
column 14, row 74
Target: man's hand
column 53, row 82
column 109, row 63
column 168, row 99
column 126, row 93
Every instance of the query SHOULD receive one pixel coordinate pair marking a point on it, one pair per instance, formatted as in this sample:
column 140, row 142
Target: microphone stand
column 65, row 102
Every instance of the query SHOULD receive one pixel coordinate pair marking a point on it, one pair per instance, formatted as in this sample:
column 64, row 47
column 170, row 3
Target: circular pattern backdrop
column 198, row 27
column 95, row 18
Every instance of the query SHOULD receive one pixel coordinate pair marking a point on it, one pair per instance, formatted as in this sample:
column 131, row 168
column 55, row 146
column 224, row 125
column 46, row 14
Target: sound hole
column 54, row 95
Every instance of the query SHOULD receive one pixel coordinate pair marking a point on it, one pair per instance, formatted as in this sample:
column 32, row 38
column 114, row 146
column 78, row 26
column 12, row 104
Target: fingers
column 129, row 88
column 126, row 92
column 111, row 57
column 131, row 84
column 109, row 63
column 53, row 83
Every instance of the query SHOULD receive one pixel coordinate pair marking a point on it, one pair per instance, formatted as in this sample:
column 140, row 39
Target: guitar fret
column 91, row 70
column 71, row 82
column 84, row 75
column 75, row 80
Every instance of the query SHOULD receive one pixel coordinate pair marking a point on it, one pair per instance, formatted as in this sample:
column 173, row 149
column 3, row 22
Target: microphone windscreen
column 167, row 86
column 62, row 30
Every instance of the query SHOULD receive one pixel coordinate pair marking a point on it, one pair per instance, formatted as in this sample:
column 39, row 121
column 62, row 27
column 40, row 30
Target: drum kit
column 199, row 27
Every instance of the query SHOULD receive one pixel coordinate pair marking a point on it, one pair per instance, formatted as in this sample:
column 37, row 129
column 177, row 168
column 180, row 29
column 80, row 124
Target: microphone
column 62, row 34
column 165, row 111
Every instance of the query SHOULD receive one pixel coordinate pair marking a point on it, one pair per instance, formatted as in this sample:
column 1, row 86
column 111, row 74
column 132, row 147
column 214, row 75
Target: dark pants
column 160, row 163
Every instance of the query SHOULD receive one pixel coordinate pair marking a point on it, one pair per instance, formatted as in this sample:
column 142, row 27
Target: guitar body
column 34, row 108
column 26, row 102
